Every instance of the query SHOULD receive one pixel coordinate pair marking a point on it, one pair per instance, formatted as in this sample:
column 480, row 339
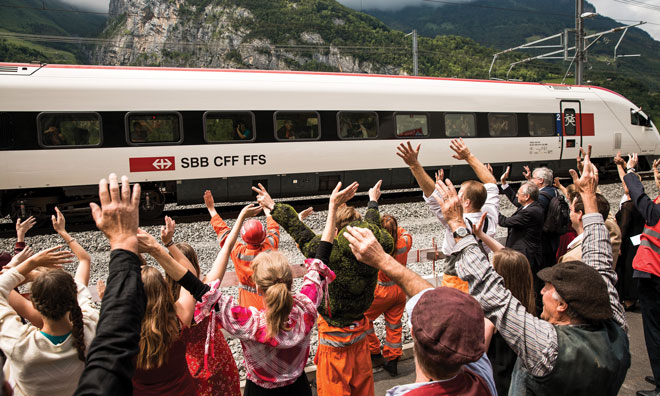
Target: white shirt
column 491, row 207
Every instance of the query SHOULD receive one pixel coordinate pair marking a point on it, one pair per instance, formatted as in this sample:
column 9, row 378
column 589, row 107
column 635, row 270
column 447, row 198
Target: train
column 180, row 131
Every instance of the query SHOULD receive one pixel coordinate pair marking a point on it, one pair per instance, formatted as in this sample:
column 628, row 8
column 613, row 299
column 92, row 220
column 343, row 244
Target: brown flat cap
column 582, row 287
column 448, row 326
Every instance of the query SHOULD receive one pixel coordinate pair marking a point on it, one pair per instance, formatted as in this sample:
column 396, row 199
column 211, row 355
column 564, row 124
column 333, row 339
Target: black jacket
column 111, row 358
column 525, row 228
column 644, row 204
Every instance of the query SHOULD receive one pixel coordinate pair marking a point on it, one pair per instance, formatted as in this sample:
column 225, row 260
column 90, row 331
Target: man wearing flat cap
column 447, row 328
column 580, row 345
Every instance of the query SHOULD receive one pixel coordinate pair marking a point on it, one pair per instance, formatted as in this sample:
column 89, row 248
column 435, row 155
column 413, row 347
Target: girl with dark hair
column 218, row 374
column 39, row 359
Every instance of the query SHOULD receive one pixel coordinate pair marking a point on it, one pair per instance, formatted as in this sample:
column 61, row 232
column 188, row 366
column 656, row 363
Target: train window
column 637, row 117
column 502, row 124
column 541, row 124
column 460, row 124
column 226, row 127
column 411, row 125
column 69, row 129
column 357, row 125
column 153, row 128
column 297, row 125
column 570, row 122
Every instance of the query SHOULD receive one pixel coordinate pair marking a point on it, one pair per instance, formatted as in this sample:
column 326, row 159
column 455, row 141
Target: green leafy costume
column 352, row 292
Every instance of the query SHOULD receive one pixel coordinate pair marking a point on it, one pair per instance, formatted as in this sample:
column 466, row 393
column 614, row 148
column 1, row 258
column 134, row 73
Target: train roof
column 150, row 88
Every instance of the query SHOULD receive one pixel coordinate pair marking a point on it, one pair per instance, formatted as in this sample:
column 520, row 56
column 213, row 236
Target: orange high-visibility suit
column 390, row 300
column 242, row 256
column 343, row 355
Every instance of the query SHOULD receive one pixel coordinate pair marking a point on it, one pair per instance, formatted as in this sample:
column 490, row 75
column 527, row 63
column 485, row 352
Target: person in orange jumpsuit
column 390, row 300
column 256, row 239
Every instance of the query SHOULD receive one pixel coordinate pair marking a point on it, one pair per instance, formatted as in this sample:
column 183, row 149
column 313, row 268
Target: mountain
column 45, row 17
column 509, row 23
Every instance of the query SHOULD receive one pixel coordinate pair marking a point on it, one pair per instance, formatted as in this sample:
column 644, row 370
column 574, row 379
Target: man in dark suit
column 543, row 178
column 525, row 229
column 526, row 224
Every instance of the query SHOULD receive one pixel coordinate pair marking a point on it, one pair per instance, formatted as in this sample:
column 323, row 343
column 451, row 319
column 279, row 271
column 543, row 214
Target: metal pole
column 414, row 51
column 579, row 42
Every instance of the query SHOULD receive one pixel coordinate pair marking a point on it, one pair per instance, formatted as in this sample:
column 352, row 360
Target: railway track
column 80, row 219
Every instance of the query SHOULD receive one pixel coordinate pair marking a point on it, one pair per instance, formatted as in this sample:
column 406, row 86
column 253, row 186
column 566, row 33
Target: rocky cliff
column 273, row 34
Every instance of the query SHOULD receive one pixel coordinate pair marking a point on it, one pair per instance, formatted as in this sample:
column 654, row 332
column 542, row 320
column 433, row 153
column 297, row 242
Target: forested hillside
column 45, row 17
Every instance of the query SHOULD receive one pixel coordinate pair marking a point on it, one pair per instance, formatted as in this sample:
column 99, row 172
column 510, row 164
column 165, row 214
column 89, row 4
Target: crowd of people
column 542, row 313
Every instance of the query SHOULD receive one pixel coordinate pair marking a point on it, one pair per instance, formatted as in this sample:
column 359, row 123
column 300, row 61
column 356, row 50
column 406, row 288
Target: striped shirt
column 534, row 340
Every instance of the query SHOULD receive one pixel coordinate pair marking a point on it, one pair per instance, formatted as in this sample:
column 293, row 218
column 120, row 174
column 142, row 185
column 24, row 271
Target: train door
column 570, row 123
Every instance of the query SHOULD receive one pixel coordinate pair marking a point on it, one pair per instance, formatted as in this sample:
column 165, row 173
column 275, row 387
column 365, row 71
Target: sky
column 624, row 13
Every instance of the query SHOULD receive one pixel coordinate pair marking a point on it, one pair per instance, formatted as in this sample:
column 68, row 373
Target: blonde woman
column 275, row 340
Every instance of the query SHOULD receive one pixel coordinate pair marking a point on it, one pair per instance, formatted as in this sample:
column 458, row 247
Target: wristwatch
column 630, row 169
column 461, row 232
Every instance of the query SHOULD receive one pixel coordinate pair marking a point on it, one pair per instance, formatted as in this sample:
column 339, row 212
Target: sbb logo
column 151, row 164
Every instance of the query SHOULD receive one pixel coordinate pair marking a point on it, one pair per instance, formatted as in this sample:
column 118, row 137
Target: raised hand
column 505, row 175
column 618, row 159
column 167, row 231
column 439, row 175
column 100, row 288
column 408, row 154
column 20, row 257
column 118, row 215
column 581, row 154
column 490, row 169
column 305, row 213
column 250, row 210
column 450, row 204
column 460, row 148
column 23, row 227
column 209, row 202
column 587, row 182
column 340, row 197
column 374, row 192
column 263, row 198
column 633, row 160
column 364, row 246
column 58, row 220
column 54, row 257
column 146, row 242
column 527, row 173
column 478, row 229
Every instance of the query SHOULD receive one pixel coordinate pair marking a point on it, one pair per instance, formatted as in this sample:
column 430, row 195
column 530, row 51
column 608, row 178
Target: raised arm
column 84, row 259
column 410, row 157
column 463, row 153
column 220, row 264
column 478, row 231
column 645, row 205
column 367, row 250
column 167, row 237
column 373, row 215
column 500, row 307
column 111, row 357
column 22, row 227
column 596, row 246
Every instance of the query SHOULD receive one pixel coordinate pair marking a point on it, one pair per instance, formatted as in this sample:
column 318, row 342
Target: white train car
column 181, row 131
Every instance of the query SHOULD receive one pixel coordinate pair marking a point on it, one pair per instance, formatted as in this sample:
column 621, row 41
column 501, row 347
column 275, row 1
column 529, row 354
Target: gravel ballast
column 414, row 217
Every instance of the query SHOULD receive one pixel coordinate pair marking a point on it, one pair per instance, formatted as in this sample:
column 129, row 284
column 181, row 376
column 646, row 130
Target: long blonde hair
column 160, row 326
column 272, row 275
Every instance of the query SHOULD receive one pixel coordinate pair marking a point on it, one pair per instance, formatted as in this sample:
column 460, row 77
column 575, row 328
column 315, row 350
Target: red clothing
column 564, row 241
column 221, row 375
column 647, row 258
column 242, row 256
column 171, row 379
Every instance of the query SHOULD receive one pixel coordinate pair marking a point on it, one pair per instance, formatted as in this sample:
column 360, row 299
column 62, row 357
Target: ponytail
column 77, row 330
column 278, row 307
column 272, row 275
